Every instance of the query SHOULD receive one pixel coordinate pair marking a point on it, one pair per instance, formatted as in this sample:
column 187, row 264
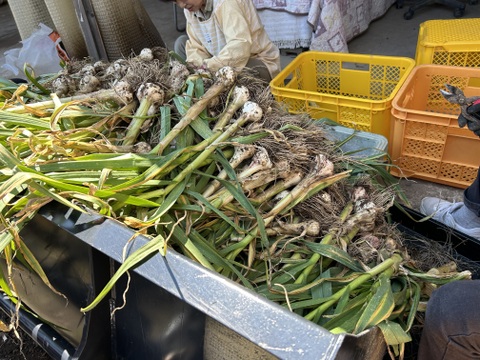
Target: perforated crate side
column 441, row 56
column 354, row 90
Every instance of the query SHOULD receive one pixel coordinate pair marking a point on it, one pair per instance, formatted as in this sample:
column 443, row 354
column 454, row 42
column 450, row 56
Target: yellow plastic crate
column 426, row 141
column 355, row 90
column 453, row 42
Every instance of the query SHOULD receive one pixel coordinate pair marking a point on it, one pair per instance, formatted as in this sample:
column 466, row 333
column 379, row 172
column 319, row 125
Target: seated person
column 227, row 33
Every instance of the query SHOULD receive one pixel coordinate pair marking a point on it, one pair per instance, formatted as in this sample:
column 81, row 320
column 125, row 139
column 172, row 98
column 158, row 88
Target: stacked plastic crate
column 425, row 139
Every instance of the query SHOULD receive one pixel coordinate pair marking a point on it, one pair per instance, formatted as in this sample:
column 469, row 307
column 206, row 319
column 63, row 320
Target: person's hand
column 473, row 122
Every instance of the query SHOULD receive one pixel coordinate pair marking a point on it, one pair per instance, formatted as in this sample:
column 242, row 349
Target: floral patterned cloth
column 324, row 25
column 335, row 22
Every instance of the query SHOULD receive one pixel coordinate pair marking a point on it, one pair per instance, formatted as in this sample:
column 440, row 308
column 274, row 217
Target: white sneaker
column 455, row 215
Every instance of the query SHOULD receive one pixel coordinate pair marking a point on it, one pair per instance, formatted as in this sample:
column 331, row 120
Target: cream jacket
column 231, row 36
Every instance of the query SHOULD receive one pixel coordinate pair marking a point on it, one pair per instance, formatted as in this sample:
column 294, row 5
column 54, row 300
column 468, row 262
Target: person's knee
column 443, row 305
column 179, row 47
column 260, row 68
column 452, row 321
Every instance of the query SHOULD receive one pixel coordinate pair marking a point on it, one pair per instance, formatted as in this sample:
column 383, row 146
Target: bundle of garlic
column 211, row 166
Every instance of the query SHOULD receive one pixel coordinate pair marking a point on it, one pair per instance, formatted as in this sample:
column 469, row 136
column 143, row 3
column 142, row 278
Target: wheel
column 458, row 12
column 399, row 4
column 408, row 15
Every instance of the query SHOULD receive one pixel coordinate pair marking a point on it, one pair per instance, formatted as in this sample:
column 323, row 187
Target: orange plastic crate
column 426, row 141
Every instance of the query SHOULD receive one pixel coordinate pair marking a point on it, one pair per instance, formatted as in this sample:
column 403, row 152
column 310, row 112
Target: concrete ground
column 389, row 35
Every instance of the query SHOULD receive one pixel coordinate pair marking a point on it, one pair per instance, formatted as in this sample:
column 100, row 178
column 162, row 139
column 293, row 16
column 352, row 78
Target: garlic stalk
column 320, row 178
column 259, row 179
column 240, row 97
column 120, row 94
column 248, row 184
column 389, row 265
column 327, row 239
column 225, row 77
column 323, row 169
column 290, row 179
column 363, row 219
column 251, row 112
column 308, row 228
column 260, row 161
column 149, row 95
column 241, row 153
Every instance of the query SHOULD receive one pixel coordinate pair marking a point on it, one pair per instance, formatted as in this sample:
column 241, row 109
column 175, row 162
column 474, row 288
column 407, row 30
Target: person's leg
column 179, row 46
column 452, row 323
column 471, row 195
column 462, row 216
column 260, row 68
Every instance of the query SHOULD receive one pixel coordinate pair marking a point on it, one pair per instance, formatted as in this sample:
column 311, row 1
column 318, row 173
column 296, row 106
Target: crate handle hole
column 355, row 66
column 474, row 82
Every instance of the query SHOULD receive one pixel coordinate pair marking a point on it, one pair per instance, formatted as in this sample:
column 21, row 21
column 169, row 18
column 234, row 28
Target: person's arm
column 236, row 29
column 195, row 51
column 473, row 124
